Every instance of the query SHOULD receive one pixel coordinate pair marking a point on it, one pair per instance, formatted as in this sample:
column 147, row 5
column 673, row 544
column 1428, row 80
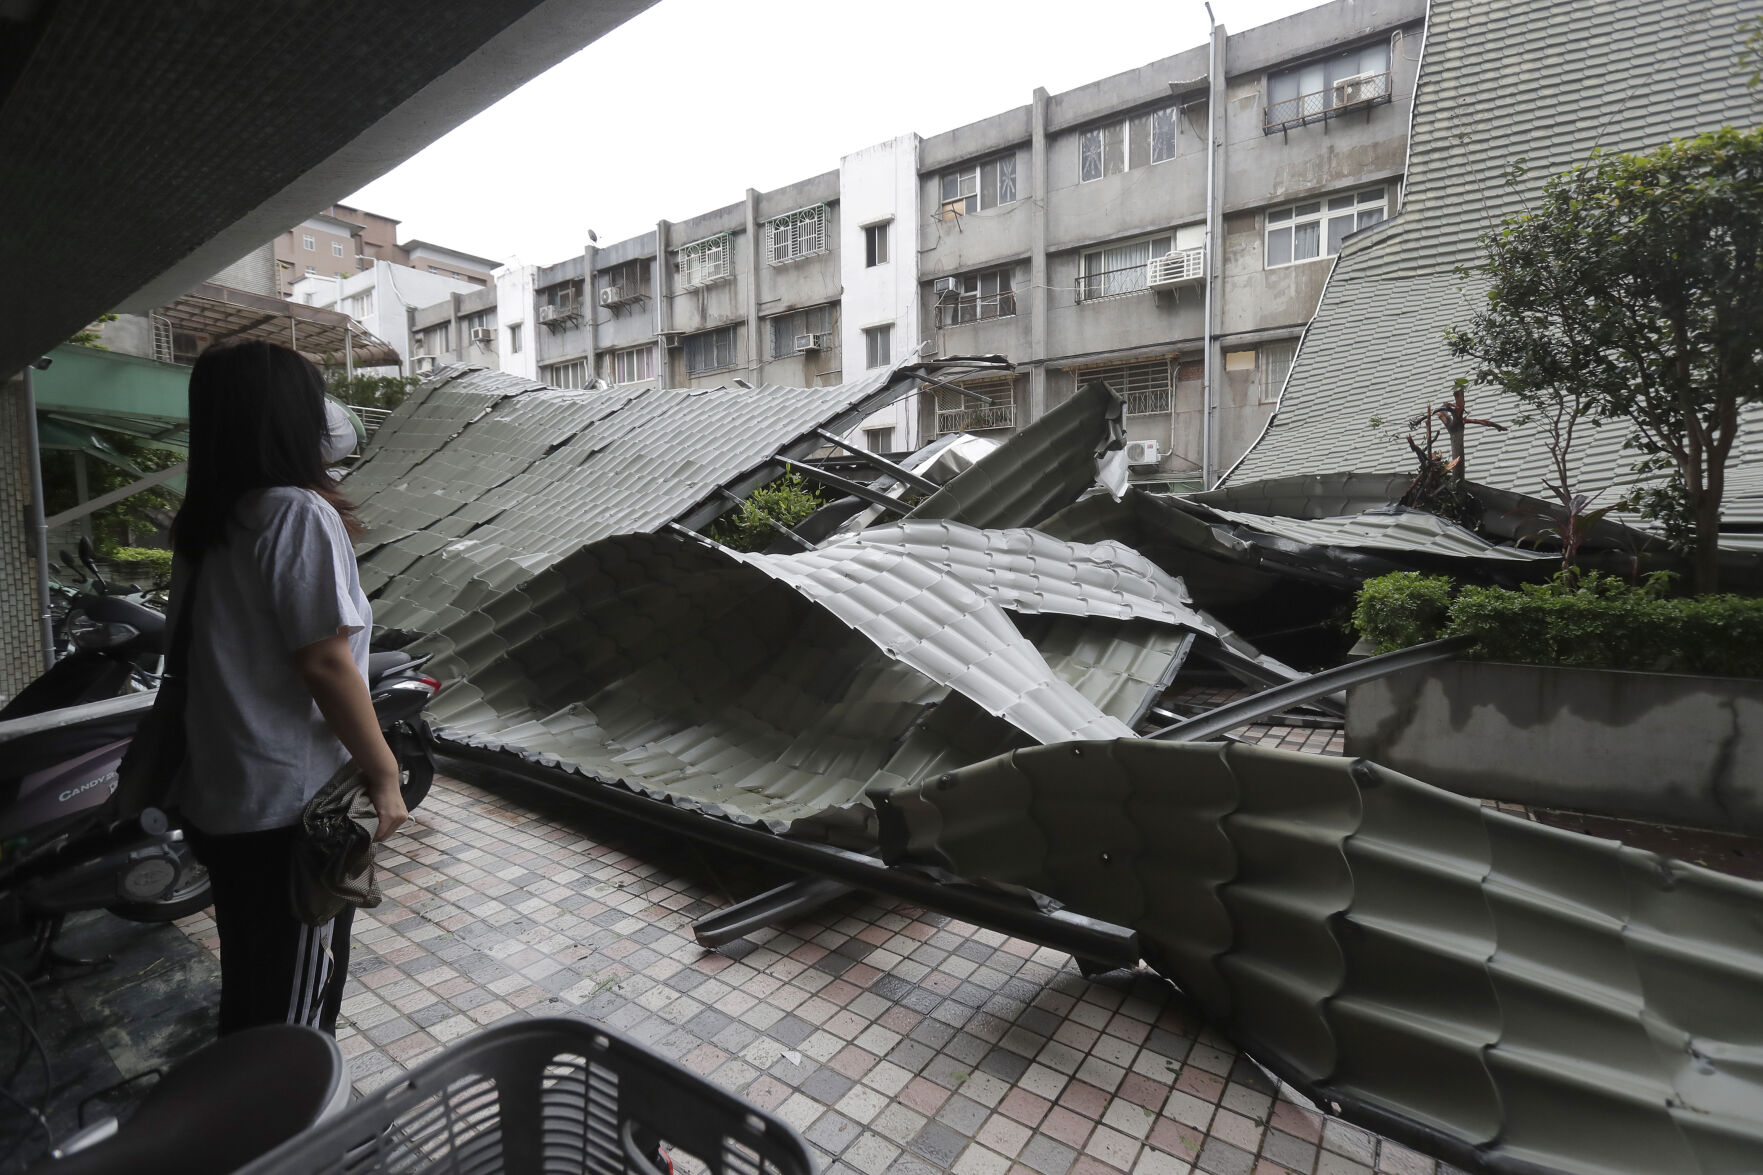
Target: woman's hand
column 388, row 803
column 328, row 670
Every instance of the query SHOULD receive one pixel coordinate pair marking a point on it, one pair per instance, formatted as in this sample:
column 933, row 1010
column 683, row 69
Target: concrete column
column 591, row 311
column 1215, row 166
column 1037, row 265
column 663, row 307
column 753, row 262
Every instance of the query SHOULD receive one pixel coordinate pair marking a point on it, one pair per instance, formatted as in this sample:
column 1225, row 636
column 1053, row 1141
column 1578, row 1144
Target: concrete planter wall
column 1652, row 746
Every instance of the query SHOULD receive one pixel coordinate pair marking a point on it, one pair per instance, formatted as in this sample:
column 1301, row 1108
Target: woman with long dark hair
column 277, row 674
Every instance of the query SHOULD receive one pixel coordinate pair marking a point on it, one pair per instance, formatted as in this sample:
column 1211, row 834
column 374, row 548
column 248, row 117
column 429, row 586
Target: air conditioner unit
column 612, row 295
column 1175, row 269
column 422, row 364
column 810, row 342
column 1361, row 87
column 547, row 314
column 1142, row 453
column 672, row 339
column 483, row 336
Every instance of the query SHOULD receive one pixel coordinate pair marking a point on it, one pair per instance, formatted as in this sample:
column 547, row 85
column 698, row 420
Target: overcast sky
column 689, row 104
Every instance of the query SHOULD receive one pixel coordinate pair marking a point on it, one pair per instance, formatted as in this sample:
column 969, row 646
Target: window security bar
column 1348, row 93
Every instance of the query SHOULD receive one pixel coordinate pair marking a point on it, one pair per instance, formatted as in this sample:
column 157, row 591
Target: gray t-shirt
column 284, row 579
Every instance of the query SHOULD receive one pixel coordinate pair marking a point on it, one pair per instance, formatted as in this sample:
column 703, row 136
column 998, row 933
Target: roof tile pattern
column 1503, row 81
column 1508, row 996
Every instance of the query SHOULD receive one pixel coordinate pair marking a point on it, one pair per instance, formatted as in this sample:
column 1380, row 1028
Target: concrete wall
column 460, row 312
column 1650, row 746
column 516, row 320
column 633, row 323
column 255, row 273
column 880, row 185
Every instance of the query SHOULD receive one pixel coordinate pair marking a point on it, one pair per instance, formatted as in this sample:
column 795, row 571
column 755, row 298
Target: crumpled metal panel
column 1511, row 997
column 779, row 688
column 514, row 476
column 1041, row 469
column 1407, row 531
column 932, row 594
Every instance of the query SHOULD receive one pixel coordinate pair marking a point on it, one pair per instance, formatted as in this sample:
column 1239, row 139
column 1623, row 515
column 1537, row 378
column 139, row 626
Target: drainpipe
column 35, row 526
column 591, row 311
column 753, row 264
column 1037, row 262
column 663, row 308
column 1209, row 400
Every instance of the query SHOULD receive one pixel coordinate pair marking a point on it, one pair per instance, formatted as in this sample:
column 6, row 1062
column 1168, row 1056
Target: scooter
column 65, row 844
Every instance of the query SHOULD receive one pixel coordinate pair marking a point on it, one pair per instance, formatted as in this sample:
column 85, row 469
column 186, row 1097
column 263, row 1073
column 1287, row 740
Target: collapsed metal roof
column 1508, row 996
column 1485, row 98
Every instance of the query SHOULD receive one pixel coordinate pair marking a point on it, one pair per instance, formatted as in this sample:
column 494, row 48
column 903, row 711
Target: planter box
column 1649, row 746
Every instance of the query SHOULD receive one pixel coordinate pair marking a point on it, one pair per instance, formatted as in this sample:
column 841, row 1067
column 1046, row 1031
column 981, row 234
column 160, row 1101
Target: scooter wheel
column 418, row 772
column 192, row 892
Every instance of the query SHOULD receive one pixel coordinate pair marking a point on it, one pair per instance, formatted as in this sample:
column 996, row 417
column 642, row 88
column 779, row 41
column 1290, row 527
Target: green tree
column 753, row 526
column 1630, row 294
column 369, row 391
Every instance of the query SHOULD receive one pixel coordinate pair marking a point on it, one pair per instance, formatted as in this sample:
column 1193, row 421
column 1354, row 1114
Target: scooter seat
column 380, row 664
column 238, row 1098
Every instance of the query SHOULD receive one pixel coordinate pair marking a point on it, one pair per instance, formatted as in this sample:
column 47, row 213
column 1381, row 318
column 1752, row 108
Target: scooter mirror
column 90, row 558
column 68, row 560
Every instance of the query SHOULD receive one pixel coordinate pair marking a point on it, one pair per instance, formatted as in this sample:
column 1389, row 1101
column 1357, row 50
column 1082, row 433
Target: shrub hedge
column 1598, row 622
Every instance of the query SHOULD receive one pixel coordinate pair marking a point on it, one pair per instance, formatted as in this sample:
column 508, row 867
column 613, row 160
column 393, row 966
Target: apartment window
column 875, row 245
column 312, row 269
column 307, row 241
column 981, row 186
column 710, row 350
column 1119, row 269
column 805, row 330
column 878, row 440
column 514, row 338
column 1144, row 386
column 1316, row 228
column 976, row 407
column 633, row 365
column 798, row 234
column 625, row 283
column 483, row 320
column 1135, row 141
column 1274, row 364
column 436, row 339
column 336, row 248
column 878, row 345
column 573, row 374
column 357, row 306
column 704, row 262
column 974, row 296
column 1321, row 89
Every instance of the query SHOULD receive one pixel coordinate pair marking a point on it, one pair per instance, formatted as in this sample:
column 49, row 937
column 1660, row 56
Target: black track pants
column 274, row 969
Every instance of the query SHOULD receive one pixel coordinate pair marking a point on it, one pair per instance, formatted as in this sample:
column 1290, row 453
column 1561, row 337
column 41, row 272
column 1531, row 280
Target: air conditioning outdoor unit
column 422, row 364
column 810, row 342
column 1361, row 87
column 672, row 339
column 612, row 296
column 483, row 336
column 1175, row 269
column 1142, row 453
column 547, row 314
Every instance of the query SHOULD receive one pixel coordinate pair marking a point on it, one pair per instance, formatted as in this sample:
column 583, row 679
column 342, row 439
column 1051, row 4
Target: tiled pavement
column 899, row 1041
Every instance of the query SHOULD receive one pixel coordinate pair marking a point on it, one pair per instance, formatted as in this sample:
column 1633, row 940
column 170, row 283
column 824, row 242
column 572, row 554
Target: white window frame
column 514, row 338
column 875, row 244
column 1273, row 363
column 633, row 365
column 965, row 298
column 312, row 269
column 879, row 440
column 336, row 248
column 1162, row 134
column 309, row 242
column 796, row 235
column 878, row 346
column 1322, row 222
column 1305, row 93
column 713, row 339
column 705, row 262
column 965, row 186
column 570, row 375
column 1117, row 270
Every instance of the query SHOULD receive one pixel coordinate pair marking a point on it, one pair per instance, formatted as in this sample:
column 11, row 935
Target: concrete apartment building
column 1168, row 230
column 342, row 240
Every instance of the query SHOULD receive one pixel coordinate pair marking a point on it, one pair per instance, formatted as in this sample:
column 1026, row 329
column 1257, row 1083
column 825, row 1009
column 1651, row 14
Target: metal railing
column 1112, row 283
column 1352, row 93
column 1147, row 403
column 977, row 418
column 974, row 308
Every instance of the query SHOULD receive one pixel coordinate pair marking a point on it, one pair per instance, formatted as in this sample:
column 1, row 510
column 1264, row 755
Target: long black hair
column 256, row 420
